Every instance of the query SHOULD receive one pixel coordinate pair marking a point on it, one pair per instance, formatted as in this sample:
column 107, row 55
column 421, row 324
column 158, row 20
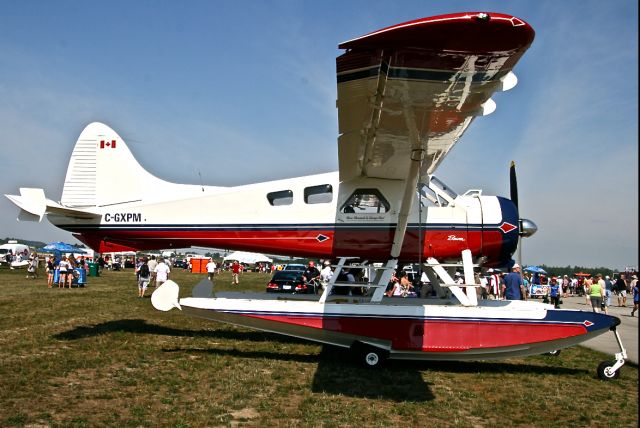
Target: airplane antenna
column 201, row 185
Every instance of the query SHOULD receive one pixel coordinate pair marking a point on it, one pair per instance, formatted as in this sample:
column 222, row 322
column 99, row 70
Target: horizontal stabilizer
column 31, row 201
column 27, row 216
column 53, row 208
column 33, row 206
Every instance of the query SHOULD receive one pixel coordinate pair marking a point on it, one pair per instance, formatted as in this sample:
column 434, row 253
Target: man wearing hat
column 513, row 288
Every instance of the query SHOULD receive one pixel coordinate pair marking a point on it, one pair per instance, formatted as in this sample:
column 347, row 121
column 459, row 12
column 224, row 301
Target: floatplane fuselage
column 125, row 207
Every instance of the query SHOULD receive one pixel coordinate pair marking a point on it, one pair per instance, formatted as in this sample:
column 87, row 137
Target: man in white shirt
column 152, row 263
column 162, row 272
column 211, row 269
column 326, row 273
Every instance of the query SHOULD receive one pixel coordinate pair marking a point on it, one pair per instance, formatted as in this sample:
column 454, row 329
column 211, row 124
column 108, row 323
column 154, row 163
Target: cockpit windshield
column 437, row 192
column 446, row 189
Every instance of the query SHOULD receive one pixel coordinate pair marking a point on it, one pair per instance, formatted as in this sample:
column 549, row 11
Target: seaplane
column 405, row 96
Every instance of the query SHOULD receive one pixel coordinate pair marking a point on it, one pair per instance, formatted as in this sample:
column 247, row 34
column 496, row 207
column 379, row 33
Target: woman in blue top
column 554, row 292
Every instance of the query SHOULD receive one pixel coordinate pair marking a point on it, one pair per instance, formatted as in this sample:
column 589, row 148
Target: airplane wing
column 407, row 93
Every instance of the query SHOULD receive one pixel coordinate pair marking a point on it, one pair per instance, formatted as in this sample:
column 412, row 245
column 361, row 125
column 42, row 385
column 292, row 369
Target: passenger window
column 366, row 201
column 283, row 197
column 318, row 194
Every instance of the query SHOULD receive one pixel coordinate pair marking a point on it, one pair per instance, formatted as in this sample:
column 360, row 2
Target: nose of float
column 527, row 227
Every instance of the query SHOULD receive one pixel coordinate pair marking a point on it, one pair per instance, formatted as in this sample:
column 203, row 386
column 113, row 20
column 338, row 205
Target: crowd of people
column 64, row 271
column 599, row 291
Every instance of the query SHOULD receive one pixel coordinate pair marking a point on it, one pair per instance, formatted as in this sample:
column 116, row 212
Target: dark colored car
column 288, row 281
column 180, row 264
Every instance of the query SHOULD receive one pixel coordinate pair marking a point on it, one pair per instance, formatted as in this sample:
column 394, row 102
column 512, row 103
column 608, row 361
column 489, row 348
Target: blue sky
column 244, row 91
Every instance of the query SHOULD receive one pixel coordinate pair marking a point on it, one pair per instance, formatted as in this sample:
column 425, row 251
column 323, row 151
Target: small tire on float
column 604, row 371
column 554, row 353
column 369, row 356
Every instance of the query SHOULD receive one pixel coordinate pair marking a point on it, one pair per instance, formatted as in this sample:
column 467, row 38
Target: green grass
column 99, row 356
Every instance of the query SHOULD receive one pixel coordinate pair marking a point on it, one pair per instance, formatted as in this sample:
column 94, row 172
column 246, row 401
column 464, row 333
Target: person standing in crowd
column 620, row 289
column 608, row 290
column 50, row 271
column 602, row 284
column 480, row 279
column 152, row 263
column 211, row 269
column 527, row 284
column 235, row 272
column 144, row 275
column 32, row 267
column 326, row 274
column 310, row 274
column 63, row 268
column 162, row 272
column 636, row 294
column 555, row 292
column 8, row 258
column 101, row 264
column 595, row 291
column 565, row 285
column 494, row 285
column 586, row 285
column 513, row 288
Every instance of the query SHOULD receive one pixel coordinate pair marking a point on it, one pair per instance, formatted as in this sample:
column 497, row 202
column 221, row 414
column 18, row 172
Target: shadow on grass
column 337, row 373
column 140, row 326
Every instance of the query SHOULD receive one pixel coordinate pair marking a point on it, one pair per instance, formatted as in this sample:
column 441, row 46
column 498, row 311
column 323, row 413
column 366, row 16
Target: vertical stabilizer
column 102, row 171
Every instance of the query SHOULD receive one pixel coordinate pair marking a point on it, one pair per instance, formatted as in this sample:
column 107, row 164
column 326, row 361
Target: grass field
column 99, row 356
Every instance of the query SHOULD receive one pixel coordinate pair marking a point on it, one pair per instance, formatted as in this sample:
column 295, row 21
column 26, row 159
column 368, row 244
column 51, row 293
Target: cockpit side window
column 366, row 201
column 282, row 197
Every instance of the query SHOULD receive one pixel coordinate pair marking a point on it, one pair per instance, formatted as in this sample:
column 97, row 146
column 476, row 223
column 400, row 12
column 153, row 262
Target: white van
column 15, row 249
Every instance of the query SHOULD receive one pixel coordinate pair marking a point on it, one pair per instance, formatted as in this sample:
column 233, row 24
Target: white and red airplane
column 406, row 94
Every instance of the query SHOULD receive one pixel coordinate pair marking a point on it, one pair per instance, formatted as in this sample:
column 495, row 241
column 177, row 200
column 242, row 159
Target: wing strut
column 418, row 150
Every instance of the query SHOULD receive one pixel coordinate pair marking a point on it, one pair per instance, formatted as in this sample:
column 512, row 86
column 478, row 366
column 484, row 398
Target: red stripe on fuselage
column 374, row 244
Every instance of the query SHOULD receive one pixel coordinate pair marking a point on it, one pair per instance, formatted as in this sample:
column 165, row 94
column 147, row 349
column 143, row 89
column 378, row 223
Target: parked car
column 295, row 266
column 180, row 264
column 288, row 281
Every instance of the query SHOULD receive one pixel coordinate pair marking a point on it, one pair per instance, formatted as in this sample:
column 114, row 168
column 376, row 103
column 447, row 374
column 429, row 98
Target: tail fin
column 102, row 171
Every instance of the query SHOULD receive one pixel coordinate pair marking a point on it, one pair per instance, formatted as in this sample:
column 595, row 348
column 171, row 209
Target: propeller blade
column 513, row 184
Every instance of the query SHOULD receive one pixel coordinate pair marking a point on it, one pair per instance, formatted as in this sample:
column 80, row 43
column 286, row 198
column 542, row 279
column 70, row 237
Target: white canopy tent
column 249, row 258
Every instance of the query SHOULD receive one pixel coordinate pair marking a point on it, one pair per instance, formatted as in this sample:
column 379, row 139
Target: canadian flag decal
column 111, row 144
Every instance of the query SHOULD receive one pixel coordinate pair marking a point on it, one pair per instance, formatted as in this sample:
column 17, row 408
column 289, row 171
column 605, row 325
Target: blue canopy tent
column 535, row 269
column 63, row 247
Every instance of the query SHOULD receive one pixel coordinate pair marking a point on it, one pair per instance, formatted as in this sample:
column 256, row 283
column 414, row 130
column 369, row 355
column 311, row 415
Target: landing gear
column 369, row 356
column 553, row 353
column 608, row 370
